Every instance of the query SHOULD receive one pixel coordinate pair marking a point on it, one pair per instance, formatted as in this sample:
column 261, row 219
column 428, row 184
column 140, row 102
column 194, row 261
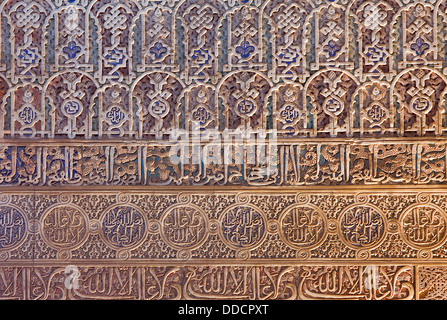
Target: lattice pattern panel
column 143, row 69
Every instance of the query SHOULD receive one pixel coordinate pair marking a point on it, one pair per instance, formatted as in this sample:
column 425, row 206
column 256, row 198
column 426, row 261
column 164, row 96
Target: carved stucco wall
column 122, row 152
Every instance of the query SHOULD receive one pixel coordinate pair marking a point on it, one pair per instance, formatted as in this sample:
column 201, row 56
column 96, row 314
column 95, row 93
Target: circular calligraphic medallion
column 184, row 226
column 12, row 227
column 72, row 108
column 123, row 226
column 362, row 226
column 64, row 227
column 421, row 105
column 333, row 106
column 303, row 226
column 376, row 113
column 246, row 108
column 289, row 113
column 242, row 226
column 159, row 108
column 423, row 226
column 115, row 115
column 201, row 115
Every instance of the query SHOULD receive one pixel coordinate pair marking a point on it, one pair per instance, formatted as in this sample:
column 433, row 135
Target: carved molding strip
column 372, row 282
column 215, row 226
column 284, row 164
column 212, row 282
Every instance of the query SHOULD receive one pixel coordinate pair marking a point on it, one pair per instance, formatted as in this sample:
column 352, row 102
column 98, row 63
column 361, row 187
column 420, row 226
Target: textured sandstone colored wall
column 223, row 149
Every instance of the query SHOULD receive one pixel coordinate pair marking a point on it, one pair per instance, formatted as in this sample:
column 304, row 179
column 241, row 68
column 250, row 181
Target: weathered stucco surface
column 223, row 149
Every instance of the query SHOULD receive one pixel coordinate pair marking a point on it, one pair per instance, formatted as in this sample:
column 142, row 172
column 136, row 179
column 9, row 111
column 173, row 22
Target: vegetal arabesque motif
column 106, row 95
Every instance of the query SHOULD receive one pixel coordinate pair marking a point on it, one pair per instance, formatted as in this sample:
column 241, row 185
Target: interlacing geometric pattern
column 141, row 69
column 223, row 149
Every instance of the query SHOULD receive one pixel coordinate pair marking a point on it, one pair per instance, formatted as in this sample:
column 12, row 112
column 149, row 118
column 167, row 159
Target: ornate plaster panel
column 223, row 149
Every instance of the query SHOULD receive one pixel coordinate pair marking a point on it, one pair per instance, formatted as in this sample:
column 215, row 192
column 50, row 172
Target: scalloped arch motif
column 275, row 149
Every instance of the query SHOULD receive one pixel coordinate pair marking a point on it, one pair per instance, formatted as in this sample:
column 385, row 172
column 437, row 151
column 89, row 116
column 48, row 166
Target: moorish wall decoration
column 223, row 149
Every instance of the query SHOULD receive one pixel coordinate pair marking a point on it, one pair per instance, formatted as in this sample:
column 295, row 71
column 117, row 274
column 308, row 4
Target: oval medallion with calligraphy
column 184, row 226
column 423, row 226
column 303, row 226
column 123, row 226
column 242, row 226
column 362, row 226
column 12, row 227
column 64, row 227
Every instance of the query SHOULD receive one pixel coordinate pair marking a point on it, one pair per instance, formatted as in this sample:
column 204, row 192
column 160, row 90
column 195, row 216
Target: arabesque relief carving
column 223, row 149
column 177, row 226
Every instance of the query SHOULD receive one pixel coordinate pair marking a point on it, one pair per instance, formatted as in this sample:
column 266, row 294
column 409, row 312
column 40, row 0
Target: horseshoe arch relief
column 276, row 149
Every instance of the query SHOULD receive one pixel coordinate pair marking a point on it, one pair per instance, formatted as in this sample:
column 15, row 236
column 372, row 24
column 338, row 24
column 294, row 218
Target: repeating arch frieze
column 114, row 114
column 376, row 114
column 201, row 112
column 418, row 35
column 244, row 38
column 290, row 113
column 27, row 116
column 287, row 40
column 327, row 28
